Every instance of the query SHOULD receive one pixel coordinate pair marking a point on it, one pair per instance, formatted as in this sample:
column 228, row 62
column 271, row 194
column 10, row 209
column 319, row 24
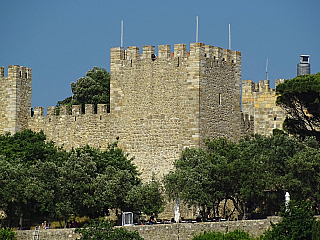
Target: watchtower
column 15, row 95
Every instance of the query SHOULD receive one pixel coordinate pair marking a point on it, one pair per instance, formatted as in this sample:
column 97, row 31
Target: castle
column 159, row 105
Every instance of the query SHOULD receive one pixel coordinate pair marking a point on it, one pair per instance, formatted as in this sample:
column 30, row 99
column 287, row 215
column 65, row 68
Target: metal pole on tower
column 121, row 44
column 267, row 69
column 229, row 36
column 197, row 29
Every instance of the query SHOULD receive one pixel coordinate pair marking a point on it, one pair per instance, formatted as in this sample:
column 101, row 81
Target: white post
column 177, row 210
column 287, row 200
column 198, row 210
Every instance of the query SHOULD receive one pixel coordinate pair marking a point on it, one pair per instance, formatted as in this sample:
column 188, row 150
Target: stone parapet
column 180, row 50
column 181, row 231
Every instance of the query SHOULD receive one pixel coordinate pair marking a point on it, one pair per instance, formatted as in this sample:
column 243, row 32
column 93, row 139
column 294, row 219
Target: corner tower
column 15, row 95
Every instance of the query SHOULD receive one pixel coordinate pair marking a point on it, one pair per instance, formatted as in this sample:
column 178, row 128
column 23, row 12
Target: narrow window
column 178, row 61
column 100, row 117
column 131, row 62
column 20, row 74
column 275, row 119
column 75, row 118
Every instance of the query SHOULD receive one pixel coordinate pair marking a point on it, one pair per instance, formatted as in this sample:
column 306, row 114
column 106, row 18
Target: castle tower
column 176, row 99
column 259, row 101
column 15, row 95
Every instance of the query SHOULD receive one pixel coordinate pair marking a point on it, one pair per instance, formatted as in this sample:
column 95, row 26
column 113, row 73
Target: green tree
column 94, row 88
column 204, row 176
column 75, row 187
column 116, row 175
column 13, row 198
column 250, row 173
column 147, row 197
column 97, row 230
column 299, row 97
column 302, row 178
column 296, row 223
column 28, row 146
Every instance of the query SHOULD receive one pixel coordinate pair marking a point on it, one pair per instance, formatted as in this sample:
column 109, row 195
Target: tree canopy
column 297, row 223
column 254, row 174
column 94, row 88
column 299, row 97
column 38, row 180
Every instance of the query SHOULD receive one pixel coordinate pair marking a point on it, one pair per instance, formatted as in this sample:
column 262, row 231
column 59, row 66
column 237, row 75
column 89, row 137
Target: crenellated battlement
column 17, row 72
column 76, row 110
column 197, row 51
column 248, row 86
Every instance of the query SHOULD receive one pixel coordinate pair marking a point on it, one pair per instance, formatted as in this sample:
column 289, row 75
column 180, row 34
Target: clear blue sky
column 61, row 40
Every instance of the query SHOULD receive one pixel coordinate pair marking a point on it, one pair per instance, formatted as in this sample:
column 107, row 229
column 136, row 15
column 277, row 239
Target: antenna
column 121, row 44
column 267, row 69
column 229, row 36
column 197, row 29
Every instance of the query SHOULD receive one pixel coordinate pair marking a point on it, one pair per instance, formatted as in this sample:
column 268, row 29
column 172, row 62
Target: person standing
column 152, row 220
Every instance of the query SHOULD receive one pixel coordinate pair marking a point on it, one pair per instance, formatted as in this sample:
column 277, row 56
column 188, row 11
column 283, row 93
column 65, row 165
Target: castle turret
column 15, row 94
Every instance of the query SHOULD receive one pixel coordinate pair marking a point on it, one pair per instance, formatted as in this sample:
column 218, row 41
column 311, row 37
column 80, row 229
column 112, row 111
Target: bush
column 297, row 223
column 7, row 234
column 234, row 235
column 104, row 230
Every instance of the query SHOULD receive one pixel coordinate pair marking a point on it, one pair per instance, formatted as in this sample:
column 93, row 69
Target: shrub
column 234, row 235
column 7, row 234
column 104, row 230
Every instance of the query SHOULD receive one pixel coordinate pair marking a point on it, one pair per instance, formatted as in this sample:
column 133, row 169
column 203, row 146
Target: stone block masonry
column 15, row 98
column 259, row 100
column 159, row 105
column 181, row 231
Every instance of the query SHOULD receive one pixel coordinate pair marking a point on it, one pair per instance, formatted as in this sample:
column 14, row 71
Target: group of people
column 71, row 224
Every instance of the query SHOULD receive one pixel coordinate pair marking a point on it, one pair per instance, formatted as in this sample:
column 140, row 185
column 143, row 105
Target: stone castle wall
column 181, row 231
column 158, row 105
column 259, row 101
column 15, row 98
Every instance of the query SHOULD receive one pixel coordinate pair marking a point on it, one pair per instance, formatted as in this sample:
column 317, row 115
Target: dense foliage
column 94, row 88
column 297, row 223
column 299, row 97
column 97, row 230
column 254, row 174
column 234, row 235
column 7, row 234
column 53, row 183
column 147, row 197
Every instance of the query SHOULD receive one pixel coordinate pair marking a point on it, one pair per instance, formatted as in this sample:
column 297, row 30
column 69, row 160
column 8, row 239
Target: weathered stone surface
column 181, row 231
column 158, row 105
column 259, row 101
